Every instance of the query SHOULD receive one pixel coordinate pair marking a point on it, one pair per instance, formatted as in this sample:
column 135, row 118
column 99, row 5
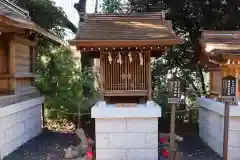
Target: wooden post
column 12, row 71
column 101, row 80
column 79, row 116
column 43, row 116
column 172, row 132
column 149, row 78
column 34, row 54
column 211, row 81
column 33, row 59
column 237, row 85
column 225, row 134
column 228, row 96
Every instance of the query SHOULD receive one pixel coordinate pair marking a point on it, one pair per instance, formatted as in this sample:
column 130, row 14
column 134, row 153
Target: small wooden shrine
column 125, row 44
column 18, row 49
column 220, row 55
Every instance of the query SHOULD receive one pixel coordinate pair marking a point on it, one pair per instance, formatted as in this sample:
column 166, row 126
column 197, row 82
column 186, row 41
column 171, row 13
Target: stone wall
column 211, row 127
column 126, row 139
column 19, row 123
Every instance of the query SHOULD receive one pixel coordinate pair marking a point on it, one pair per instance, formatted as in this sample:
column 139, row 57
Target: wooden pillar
column 149, row 77
column 101, row 80
column 33, row 58
column 225, row 72
column 12, row 71
column 237, row 83
column 211, row 81
column 33, row 54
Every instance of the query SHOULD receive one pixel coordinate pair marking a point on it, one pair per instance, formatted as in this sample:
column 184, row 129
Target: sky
column 71, row 12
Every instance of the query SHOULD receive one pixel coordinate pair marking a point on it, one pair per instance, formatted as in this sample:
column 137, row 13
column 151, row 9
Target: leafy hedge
column 61, row 81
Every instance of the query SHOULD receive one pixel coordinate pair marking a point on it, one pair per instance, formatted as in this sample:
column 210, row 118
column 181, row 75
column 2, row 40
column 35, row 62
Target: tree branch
column 192, row 84
column 70, row 26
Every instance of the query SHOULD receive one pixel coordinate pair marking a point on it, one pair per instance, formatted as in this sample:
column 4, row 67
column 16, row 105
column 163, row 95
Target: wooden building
column 220, row 55
column 20, row 103
column 125, row 44
column 18, row 49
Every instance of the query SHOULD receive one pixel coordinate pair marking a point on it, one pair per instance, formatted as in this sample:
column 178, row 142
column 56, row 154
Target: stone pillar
column 126, row 133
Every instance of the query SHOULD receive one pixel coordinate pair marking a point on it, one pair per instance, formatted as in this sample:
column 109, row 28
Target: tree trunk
column 96, row 6
column 199, row 69
column 87, row 62
column 197, row 52
column 193, row 85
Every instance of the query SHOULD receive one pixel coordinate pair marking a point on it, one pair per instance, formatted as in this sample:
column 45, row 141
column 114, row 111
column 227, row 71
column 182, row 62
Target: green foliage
column 47, row 15
column 61, row 81
column 111, row 6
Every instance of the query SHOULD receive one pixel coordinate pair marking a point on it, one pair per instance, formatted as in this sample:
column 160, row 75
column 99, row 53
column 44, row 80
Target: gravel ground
column 50, row 146
column 194, row 148
column 47, row 146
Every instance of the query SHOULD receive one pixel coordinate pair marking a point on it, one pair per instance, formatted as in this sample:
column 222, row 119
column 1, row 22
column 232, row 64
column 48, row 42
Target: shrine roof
column 217, row 47
column 13, row 18
column 221, row 42
column 10, row 10
column 125, row 29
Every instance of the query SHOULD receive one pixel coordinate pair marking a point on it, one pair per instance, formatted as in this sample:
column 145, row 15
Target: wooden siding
column 217, row 85
column 16, row 60
column 215, row 91
column 22, row 58
column 3, row 65
column 24, row 85
column 3, row 56
column 23, row 67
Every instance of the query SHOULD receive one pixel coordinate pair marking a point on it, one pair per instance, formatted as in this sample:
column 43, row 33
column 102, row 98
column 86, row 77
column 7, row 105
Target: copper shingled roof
column 117, row 27
column 11, row 10
column 218, row 46
column 221, row 42
column 221, row 36
column 12, row 16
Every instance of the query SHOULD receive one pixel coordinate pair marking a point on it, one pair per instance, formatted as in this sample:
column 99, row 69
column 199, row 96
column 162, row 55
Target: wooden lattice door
column 129, row 74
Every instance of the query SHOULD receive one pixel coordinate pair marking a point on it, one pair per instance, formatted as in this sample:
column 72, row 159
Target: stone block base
column 19, row 123
column 127, row 139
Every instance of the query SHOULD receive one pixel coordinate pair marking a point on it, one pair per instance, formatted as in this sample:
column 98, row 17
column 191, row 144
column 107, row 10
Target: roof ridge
column 131, row 13
column 126, row 16
column 16, row 8
column 221, row 32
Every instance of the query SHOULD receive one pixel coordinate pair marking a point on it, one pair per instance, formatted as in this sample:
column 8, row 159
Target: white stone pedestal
column 19, row 123
column 211, row 126
column 126, row 133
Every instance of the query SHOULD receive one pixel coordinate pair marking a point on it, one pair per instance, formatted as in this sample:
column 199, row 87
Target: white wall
column 19, row 123
column 211, row 127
